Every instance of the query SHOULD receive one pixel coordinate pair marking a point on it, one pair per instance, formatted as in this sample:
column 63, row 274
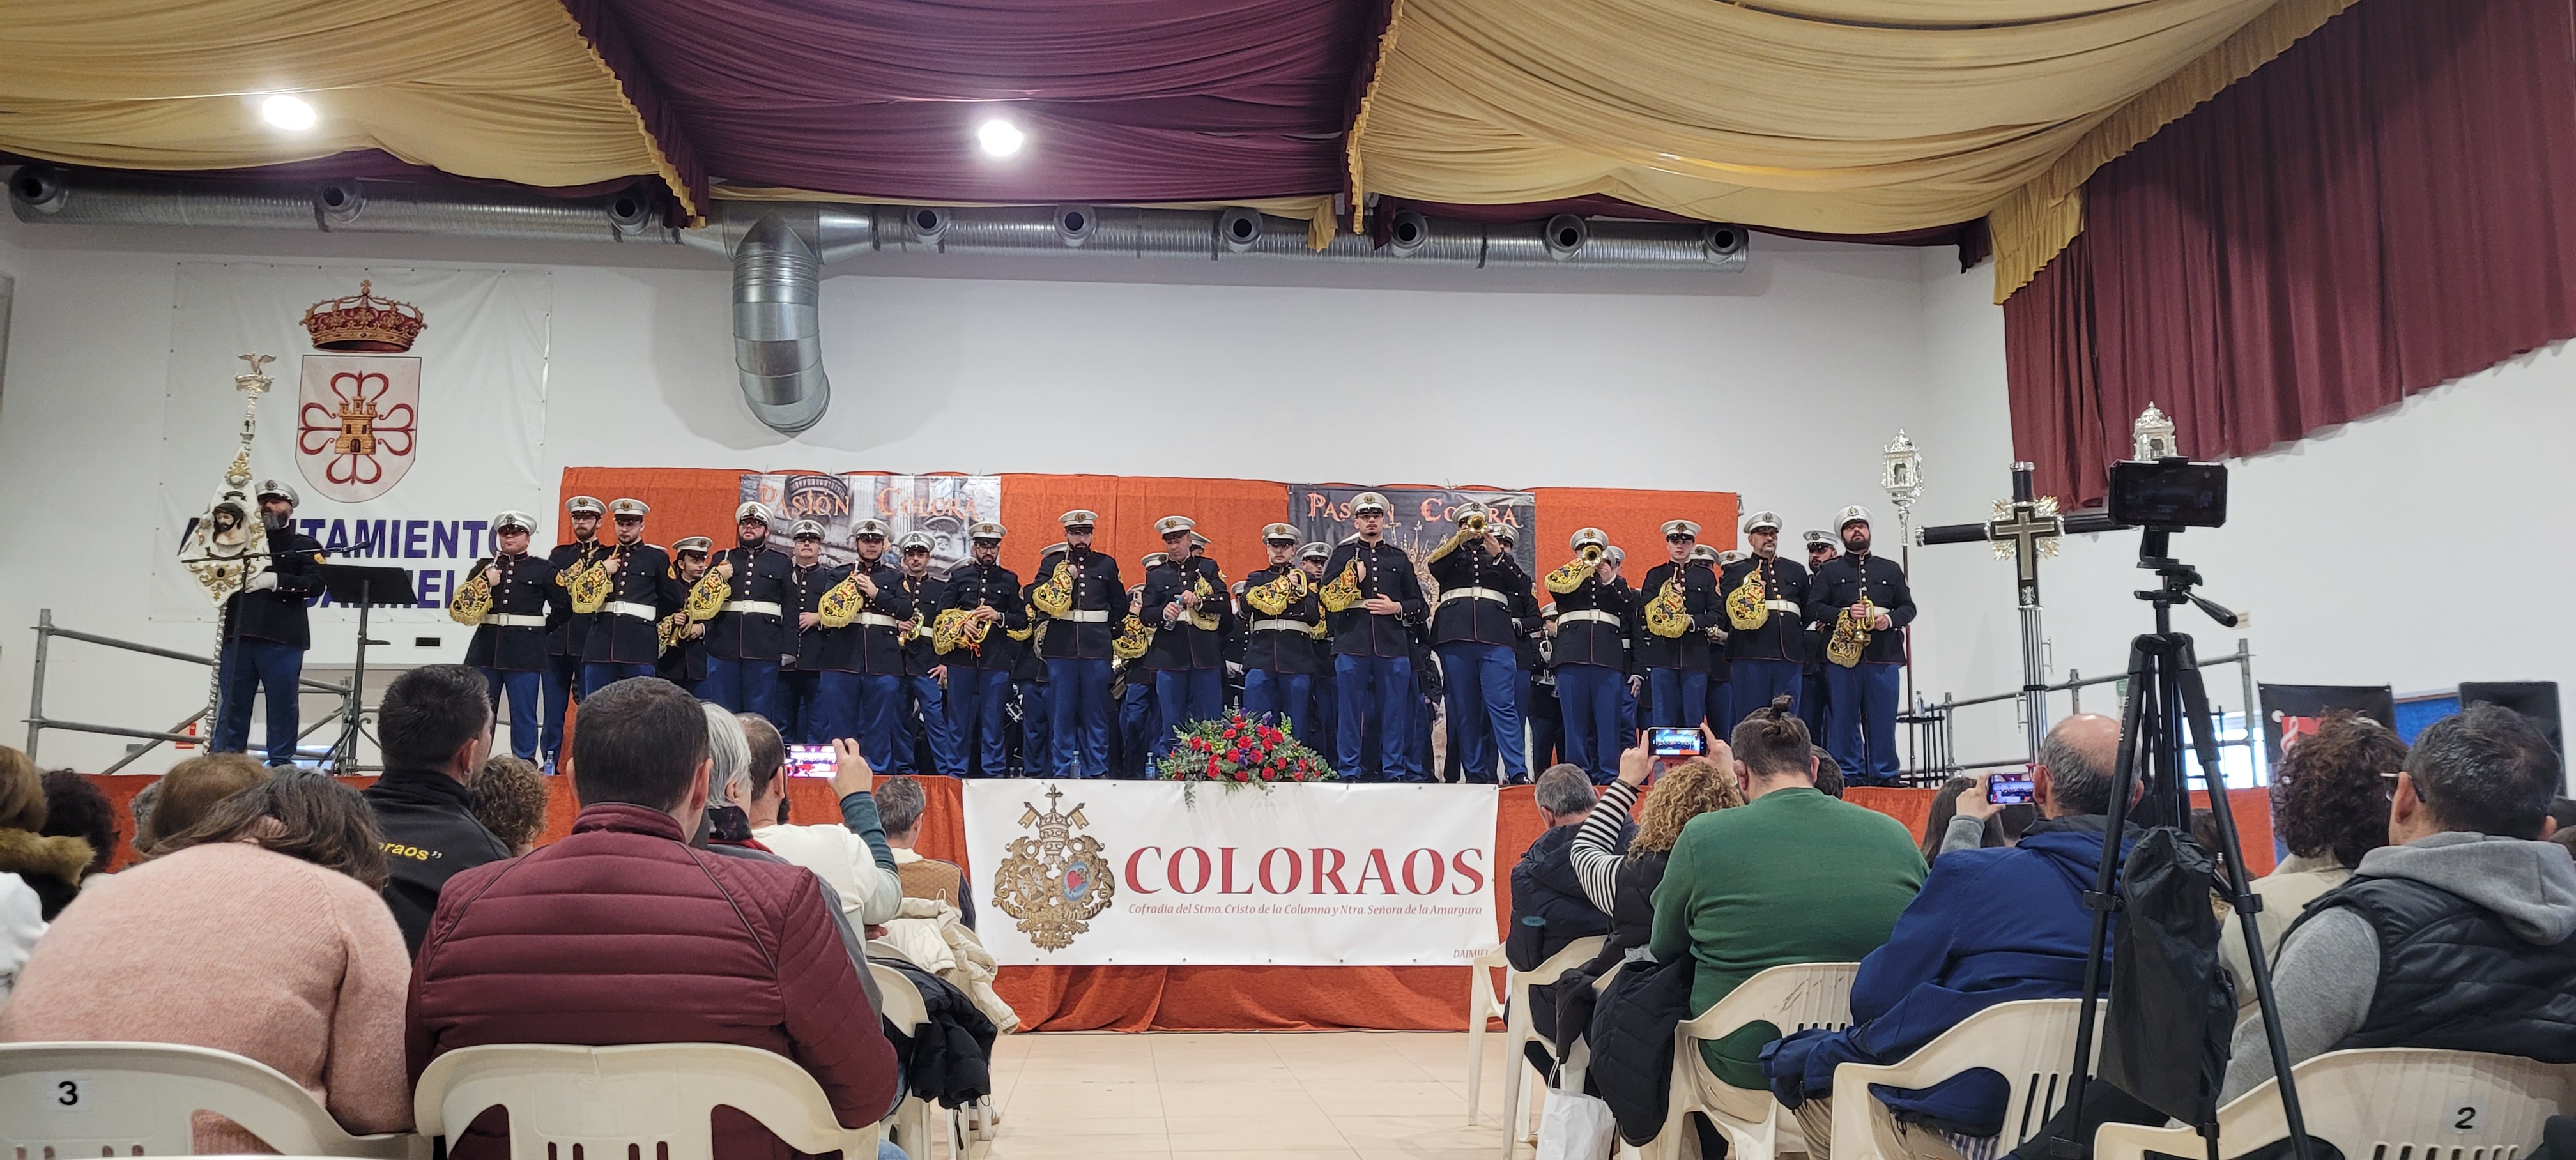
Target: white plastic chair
column 1519, row 1029
column 136, row 1099
column 1792, row 998
column 1482, row 1006
column 2386, row 1102
column 649, row 1096
column 2031, row 1043
column 912, row 1121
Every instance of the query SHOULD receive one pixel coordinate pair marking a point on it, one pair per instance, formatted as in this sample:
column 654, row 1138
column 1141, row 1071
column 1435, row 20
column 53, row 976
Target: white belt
column 630, row 608
column 1474, row 594
column 1282, row 626
column 514, row 620
column 1789, row 606
column 763, row 607
column 1608, row 618
column 875, row 620
column 1083, row 615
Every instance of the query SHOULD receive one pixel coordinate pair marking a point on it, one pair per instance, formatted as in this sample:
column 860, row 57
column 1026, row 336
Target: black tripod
column 2166, row 698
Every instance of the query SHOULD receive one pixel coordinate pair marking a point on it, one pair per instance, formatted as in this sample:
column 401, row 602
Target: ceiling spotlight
column 287, row 112
column 999, row 138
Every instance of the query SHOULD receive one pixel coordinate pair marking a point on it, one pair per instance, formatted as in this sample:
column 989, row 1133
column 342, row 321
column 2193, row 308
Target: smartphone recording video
column 1676, row 742
column 811, row 761
column 2009, row 789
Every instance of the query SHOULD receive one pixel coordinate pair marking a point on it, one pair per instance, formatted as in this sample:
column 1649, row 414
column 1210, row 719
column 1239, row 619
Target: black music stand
column 361, row 587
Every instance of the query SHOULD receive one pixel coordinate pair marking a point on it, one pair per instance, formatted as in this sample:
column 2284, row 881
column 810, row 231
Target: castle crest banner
column 408, row 406
column 1090, row 873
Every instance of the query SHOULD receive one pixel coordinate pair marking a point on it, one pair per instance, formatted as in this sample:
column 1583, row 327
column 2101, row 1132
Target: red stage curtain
column 1213, row 998
column 2389, row 205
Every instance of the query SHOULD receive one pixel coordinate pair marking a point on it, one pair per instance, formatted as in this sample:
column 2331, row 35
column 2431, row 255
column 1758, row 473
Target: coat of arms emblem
column 358, row 418
column 1056, row 882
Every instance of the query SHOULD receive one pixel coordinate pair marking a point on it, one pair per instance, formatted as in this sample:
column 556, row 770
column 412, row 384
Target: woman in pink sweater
column 259, row 931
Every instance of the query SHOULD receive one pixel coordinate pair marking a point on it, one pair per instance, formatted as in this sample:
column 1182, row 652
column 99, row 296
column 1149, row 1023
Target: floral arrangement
column 1239, row 750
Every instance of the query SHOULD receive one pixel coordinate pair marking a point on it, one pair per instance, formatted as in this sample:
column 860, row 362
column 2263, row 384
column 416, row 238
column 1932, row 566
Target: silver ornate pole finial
column 2153, row 435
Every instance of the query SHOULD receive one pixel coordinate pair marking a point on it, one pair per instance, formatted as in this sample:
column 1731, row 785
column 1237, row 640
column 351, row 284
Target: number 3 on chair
column 2464, row 1117
column 66, row 1093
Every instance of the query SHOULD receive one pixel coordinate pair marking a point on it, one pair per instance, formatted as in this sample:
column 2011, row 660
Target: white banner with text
column 1091, row 873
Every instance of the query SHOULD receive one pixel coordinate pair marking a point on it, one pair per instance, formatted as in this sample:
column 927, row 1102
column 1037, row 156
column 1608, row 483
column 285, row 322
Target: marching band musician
column 508, row 601
column 863, row 645
column 1546, row 714
column 1532, row 628
column 1635, row 686
column 566, row 634
column 266, row 631
column 1765, row 600
column 921, row 704
column 1279, row 656
column 1129, row 683
column 1081, row 589
column 1327, row 700
column 1029, row 677
column 748, row 634
column 1812, row 693
column 1372, row 600
column 805, row 717
column 980, row 667
column 1186, row 600
column 626, row 593
column 684, row 633
column 1680, row 605
column 1721, row 697
column 1475, row 634
column 1854, row 594
column 1590, row 657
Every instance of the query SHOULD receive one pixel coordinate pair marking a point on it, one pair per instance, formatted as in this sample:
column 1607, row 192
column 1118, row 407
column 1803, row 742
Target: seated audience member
column 900, row 804
column 74, row 808
column 1623, row 885
column 853, row 856
column 732, row 793
column 436, row 727
column 257, row 931
column 1943, row 814
column 509, row 798
column 1829, row 774
column 52, row 866
column 2474, row 911
column 1990, row 926
column 189, row 791
column 2331, row 808
column 1792, row 876
column 1549, row 908
column 22, row 922
column 622, row 933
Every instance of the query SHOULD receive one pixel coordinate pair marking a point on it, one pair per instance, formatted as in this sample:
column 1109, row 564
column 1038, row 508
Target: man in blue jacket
column 1990, row 926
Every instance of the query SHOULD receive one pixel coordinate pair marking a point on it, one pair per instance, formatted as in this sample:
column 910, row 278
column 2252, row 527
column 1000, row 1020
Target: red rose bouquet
column 1239, row 750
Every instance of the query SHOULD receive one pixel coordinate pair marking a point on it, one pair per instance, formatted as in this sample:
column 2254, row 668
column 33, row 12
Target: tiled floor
column 1354, row 1095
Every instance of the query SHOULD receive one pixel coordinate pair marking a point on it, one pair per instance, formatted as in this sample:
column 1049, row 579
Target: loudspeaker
column 2537, row 700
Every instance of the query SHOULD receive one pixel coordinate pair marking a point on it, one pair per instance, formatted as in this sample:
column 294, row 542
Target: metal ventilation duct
column 778, row 249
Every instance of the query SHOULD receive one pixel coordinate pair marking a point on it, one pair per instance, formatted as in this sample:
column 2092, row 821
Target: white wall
column 2391, row 550
column 1779, row 383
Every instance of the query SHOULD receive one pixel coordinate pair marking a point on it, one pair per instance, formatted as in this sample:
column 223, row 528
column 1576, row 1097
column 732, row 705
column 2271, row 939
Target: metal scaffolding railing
column 1935, row 726
column 37, row 722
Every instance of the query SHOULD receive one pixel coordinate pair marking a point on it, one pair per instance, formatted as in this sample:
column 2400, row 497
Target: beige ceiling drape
column 1843, row 116
column 504, row 89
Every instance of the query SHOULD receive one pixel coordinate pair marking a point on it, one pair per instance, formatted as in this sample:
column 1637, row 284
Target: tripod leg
column 2240, row 894
column 2136, row 719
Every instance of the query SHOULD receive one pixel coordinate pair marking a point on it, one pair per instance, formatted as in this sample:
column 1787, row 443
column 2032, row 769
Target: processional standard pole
column 229, row 544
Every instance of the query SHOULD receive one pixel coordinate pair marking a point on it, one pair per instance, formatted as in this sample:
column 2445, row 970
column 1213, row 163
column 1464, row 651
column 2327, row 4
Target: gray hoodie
column 2329, row 967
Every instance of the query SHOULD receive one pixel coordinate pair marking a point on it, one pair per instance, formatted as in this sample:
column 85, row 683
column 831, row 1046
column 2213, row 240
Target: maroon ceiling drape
column 2389, row 205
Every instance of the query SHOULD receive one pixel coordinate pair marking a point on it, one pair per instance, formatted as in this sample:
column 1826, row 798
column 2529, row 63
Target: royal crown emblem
column 364, row 322
column 1056, row 882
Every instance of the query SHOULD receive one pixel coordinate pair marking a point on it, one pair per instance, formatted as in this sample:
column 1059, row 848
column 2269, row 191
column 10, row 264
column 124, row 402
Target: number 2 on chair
column 2463, row 1118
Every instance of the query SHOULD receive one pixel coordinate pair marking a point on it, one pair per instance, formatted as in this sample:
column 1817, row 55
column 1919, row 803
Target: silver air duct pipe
column 778, row 249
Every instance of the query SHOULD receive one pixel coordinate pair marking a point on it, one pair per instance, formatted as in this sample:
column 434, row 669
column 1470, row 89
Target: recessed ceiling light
column 999, row 138
column 287, row 112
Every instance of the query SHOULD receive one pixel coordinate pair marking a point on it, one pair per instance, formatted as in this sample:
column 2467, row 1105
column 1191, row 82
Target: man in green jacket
column 1791, row 877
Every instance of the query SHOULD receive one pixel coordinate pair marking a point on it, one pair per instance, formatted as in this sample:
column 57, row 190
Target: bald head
column 2077, row 759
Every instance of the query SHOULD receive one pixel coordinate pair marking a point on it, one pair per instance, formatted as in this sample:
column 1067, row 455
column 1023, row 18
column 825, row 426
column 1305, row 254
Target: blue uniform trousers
column 975, row 699
column 1180, row 697
column 742, row 686
column 597, row 675
column 1861, row 727
column 1757, row 682
column 1377, row 691
column 524, row 691
column 921, row 699
column 1288, row 698
column 251, row 665
column 1078, row 692
column 563, row 677
column 1590, row 696
column 1483, row 684
column 1680, row 696
column 1037, row 751
column 861, row 707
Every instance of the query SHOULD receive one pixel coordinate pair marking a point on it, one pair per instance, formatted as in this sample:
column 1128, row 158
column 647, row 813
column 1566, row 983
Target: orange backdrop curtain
column 1219, row 998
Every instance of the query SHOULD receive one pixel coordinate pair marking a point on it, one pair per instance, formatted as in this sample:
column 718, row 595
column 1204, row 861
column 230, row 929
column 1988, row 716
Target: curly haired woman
column 1623, row 886
column 2330, row 806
